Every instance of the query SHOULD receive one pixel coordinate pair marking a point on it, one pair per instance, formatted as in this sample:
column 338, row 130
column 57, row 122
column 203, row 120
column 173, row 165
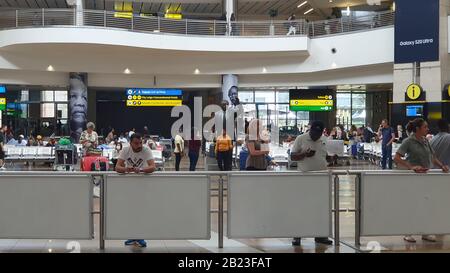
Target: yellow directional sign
column 414, row 91
column 311, row 103
column 138, row 103
column 2, row 100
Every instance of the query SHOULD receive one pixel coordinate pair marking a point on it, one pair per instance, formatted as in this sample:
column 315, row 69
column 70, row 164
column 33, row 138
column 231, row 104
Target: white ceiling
column 212, row 8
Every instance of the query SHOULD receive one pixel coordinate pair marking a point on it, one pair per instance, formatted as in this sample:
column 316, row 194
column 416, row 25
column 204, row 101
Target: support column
column 230, row 12
column 79, row 8
column 78, row 104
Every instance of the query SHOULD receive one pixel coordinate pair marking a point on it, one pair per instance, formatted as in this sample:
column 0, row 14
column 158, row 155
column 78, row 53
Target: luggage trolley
column 65, row 158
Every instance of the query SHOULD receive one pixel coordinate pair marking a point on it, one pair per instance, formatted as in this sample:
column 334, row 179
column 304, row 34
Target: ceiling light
column 302, row 4
column 127, row 71
column 264, row 70
column 348, row 10
column 50, row 68
column 308, row 11
column 197, row 71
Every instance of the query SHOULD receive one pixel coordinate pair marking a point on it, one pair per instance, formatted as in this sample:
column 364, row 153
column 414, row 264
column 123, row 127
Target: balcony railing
column 22, row 18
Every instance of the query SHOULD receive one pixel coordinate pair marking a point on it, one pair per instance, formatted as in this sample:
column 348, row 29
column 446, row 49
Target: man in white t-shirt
column 179, row 149
column 310, row 150
column 136, row 158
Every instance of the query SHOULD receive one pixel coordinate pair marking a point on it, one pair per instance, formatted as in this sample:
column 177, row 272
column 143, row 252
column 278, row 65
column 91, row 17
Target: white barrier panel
column 401, row 204
column 37, row 206
column 267, row 205
column 157, row 207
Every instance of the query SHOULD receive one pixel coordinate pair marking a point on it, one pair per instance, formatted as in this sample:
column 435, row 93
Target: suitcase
column 94, row 163
column 212, row 150
column 243, row 159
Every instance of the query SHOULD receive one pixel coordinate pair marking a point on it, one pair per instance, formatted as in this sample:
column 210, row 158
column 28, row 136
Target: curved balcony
column 25, row 18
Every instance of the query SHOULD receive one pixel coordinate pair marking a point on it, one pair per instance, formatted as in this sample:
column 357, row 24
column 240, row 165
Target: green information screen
column 311, row 100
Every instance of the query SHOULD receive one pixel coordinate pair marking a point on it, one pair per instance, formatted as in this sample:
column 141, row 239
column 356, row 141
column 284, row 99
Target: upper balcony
column 24, row 18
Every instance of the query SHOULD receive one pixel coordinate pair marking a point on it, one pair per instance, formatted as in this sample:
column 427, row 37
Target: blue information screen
column 2, row 89
column 416, row 31
column 414, row 110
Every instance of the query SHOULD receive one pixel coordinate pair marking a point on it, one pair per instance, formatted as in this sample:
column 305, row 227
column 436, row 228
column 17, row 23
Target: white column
column 79, row 7
column 230, row 7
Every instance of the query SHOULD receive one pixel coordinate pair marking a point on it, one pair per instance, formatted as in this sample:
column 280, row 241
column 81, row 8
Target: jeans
column 193, row 159
column 177, row 161
column 224, row 160
column 387, row 156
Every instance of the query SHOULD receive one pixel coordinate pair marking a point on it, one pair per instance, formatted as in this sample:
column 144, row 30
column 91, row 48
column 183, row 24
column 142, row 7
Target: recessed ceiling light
column 197, row 71
column 302, row 4
column 308, row 11
column 127, row 71
column 264, row 70
column 50, row 68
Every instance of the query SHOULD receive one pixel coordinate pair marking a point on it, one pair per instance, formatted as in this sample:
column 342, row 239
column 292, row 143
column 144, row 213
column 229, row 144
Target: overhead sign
column 2, row 98
column 414, row 92
column 416, row 31
column 154, row 97
column 311, row 100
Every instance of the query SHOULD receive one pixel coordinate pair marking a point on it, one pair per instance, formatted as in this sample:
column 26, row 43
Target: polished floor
column 347, row 190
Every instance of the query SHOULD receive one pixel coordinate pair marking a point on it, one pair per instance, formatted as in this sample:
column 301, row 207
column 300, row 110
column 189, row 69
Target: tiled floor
column 347, row 190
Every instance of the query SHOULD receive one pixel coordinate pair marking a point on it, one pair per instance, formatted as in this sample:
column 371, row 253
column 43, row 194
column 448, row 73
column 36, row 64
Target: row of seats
column 373, row 152
column 29, row 153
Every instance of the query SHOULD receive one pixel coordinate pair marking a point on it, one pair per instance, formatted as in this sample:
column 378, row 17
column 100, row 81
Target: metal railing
column 135, row 22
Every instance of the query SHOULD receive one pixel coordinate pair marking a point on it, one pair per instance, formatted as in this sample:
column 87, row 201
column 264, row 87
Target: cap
column 39, row 137
column 317, row 126
column 21, row 136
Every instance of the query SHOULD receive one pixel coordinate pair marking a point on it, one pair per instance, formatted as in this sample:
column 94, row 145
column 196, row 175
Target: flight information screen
column 154, row 97
column 311, row 100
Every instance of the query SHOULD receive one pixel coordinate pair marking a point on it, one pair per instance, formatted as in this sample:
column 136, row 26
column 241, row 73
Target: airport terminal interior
column 224, row 126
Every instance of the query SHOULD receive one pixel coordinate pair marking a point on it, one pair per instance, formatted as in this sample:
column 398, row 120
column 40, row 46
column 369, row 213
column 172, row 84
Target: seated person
column 89, row 139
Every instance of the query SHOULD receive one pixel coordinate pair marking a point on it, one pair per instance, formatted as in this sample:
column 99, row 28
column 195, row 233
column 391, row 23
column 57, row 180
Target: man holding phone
column 387, row 134
column 310, row 150
column 136, row 158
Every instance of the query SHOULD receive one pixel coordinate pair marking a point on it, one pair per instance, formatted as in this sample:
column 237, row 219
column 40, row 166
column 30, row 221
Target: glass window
column 47, row 95
column 282, row 97
column 343, row 100
column 264, row 96
column 62, row 111
column 358, row 101
column 249, row 111
column 246, row 96
column 47, row 110
column 24, row 95
column 61, row 96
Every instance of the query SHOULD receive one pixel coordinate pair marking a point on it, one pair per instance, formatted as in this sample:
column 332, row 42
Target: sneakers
column 429, row 238
column 409, row 239
column 139, row 243
column 296, row 241
column 130, row 242
column 323, row 240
